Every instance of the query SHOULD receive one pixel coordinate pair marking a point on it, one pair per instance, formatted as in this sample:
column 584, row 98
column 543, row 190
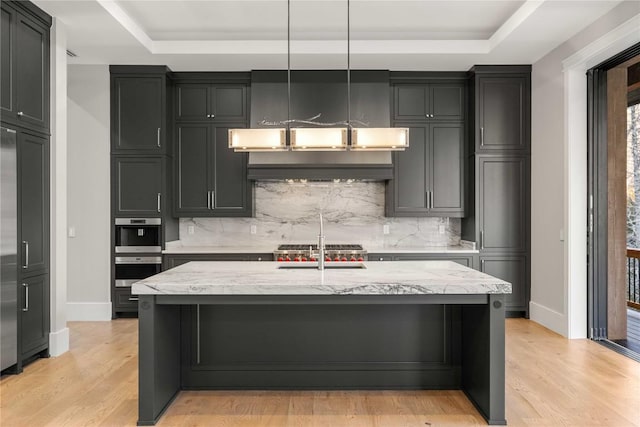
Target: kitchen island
column 256, row 325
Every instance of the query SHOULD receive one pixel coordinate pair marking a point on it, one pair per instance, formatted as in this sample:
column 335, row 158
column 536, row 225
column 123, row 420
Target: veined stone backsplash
column 288, row 213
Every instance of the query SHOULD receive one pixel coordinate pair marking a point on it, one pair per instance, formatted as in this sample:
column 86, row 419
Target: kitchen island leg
column 483, row 355
column 158, row 358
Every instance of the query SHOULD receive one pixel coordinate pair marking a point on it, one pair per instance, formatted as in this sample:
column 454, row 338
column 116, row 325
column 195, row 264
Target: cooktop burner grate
column 329, row 247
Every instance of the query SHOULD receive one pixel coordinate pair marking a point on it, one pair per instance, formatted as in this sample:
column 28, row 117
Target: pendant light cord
column 288, row 65
column 348, row 64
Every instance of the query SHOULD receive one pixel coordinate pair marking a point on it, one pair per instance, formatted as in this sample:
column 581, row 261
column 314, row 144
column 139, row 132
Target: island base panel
column 342, row 346
column 483, row 358
column 158, row 358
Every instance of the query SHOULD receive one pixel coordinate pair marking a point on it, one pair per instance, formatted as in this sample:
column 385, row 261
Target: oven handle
column 138, row 260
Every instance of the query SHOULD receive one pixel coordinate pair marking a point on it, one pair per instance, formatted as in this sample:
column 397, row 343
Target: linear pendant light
column 318, row 138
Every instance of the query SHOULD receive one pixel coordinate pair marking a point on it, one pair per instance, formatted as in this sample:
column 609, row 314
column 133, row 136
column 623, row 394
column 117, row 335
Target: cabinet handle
column 482, row 240
column 208, row 199
column 431, row 199
column 20, row 114
column 198, row 333
column 26, row 254
column 213, row 116
column 134, row 299
column 159, row 196
column 26, row 297
column 158, row 137
column 482, row 266
column 213, row 199
column 482, row 136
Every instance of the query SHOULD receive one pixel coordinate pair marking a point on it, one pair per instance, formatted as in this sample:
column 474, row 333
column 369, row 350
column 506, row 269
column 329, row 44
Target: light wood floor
column 551, row 381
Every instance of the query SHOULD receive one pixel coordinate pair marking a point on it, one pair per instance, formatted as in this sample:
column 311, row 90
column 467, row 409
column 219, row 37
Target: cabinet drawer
column 124, row 301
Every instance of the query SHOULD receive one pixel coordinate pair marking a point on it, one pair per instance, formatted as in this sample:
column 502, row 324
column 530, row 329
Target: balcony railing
column 633, row 278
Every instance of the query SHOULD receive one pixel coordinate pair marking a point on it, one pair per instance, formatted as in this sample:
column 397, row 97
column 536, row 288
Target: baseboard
column 88, row 311
column 548, row 318
column 59, row 342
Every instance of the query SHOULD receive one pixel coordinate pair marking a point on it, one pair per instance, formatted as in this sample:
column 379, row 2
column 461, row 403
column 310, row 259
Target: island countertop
column 265, row 278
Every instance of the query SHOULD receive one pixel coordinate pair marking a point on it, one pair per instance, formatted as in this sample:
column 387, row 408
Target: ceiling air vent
column 71, row 54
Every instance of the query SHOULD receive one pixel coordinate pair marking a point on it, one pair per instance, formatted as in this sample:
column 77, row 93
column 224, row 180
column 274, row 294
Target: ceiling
column 228, row 35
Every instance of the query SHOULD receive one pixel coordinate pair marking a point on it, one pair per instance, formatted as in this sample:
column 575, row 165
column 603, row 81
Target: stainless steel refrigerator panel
column 8, row 249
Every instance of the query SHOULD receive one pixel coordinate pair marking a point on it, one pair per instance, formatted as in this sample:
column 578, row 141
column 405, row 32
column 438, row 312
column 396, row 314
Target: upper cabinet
column 24, row 96
column 138, row 109
column 211, row 179
column 429, row 174
column 138, row 186
column 502, row 112
column 211, row 97
column 429, row 101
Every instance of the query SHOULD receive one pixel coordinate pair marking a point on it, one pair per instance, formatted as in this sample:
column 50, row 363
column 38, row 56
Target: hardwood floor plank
column 550, row 381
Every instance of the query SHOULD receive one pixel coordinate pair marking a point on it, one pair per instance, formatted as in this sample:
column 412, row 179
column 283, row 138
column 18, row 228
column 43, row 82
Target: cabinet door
column 33, row 196
column 7, row 63
column 446, row 101
column 231, row 188
column 34, row 303
column 137, row 186
column 410, row 102
column 193, row 159
column 192, row 102
column 446, row 168
column 409, row 195
column 502, row 113
column 513, row 270
column 228, row 103
column 32, row 73
column 137, row 112
column 503, row 203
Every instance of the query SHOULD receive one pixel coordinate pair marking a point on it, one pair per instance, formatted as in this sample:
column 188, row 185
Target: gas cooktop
column 333, row 252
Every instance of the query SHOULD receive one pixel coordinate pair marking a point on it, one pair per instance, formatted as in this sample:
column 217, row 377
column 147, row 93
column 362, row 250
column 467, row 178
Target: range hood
column 320, row 92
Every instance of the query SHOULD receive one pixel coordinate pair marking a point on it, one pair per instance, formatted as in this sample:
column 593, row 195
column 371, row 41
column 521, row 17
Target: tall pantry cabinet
column 500, row 161
column 24, row 112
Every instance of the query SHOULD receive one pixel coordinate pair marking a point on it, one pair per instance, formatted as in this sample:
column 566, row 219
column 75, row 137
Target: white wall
column 558, row 169
column 59, row 333
column 88, row 193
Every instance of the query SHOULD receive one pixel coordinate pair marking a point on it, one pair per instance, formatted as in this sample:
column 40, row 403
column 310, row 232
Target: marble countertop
column 267, row 249
column 265, row 278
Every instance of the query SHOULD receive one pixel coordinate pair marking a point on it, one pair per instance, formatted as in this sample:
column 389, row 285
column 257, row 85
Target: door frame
column 597, row 194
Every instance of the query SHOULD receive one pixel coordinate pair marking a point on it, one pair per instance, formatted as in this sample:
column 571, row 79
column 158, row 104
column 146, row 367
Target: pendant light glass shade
column 319, row 139
column 258, row 139
column 379, row 139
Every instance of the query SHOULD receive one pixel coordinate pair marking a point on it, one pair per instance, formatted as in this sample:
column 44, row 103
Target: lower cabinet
column 34, row 314
column 468, row 260
column 174, row 260
column 124, row 302
column 513, row 269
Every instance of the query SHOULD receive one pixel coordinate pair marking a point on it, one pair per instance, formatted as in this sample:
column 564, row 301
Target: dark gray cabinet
column 137, row 186
column 174, row 260
column 503, row 203
column 34, row 314
column 210, row 102
column 502, row 113
column 500, row 220
column 25, row 66
column 138, row 114
column 468, row 260
column 431, row 101
column 33, row 203
column 429, row 174
column 513, row 269
column 211, row 179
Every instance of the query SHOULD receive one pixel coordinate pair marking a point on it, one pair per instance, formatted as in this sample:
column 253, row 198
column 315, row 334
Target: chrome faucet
column 321, row 246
